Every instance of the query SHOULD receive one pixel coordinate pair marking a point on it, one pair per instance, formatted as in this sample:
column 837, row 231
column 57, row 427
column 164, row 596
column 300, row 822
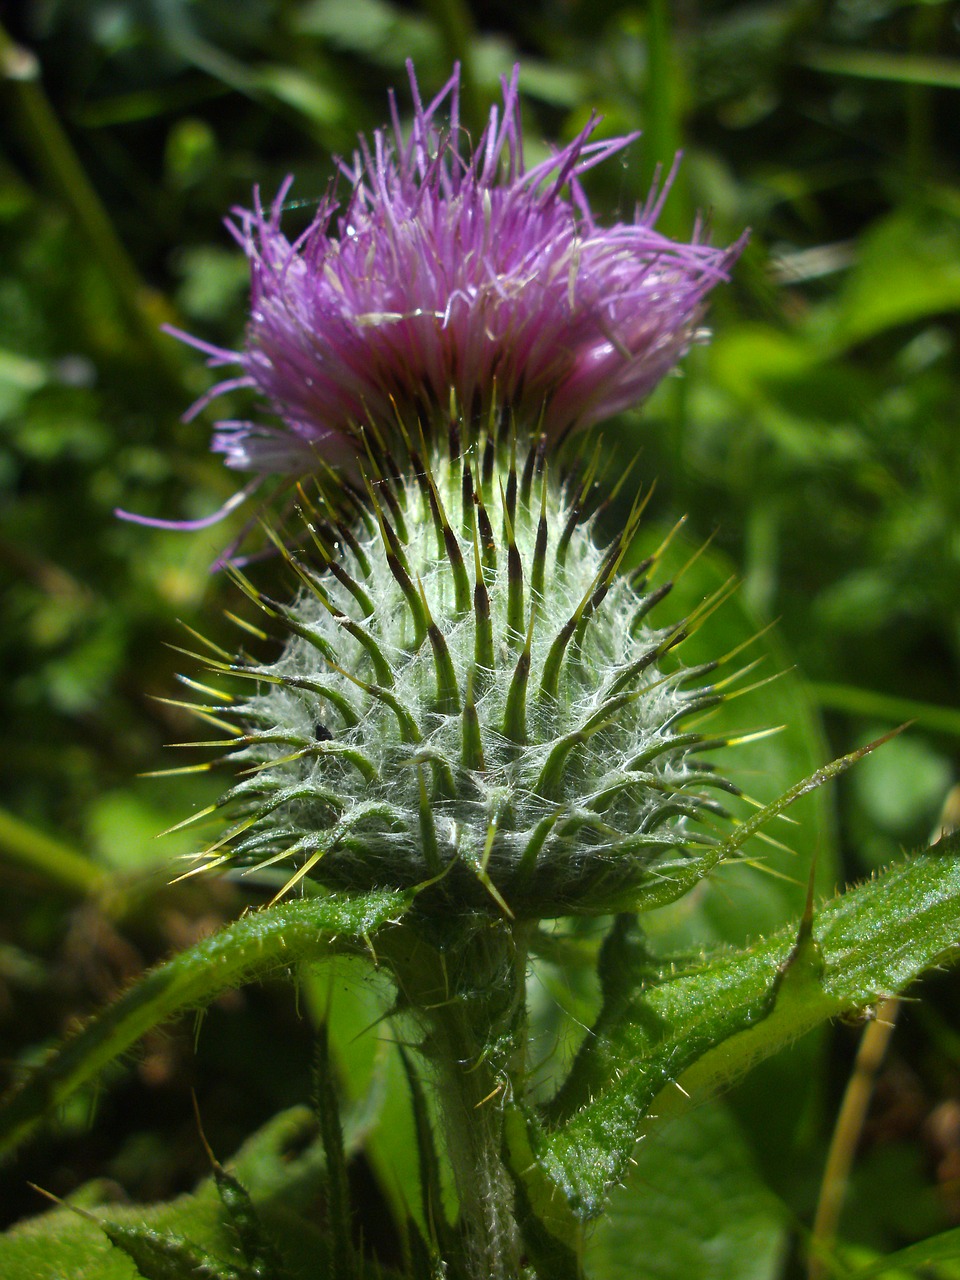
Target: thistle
column 473, row 703
column 470, row 715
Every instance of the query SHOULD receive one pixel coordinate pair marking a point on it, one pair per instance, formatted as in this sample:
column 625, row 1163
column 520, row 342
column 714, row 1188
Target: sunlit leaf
column 695, row 1199
column 707, row 1023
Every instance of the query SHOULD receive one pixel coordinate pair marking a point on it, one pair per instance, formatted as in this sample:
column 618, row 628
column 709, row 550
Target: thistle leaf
column 551, row 1233
column 699, row 1205
column 704, row 1025
column 260, row 1254
column 431, row 1189
column 158, row 1255
column 252, row 947
column 280, row 1169
column 944, row 1247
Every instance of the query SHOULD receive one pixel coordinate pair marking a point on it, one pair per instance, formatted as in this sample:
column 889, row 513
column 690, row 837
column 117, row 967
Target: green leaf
column 883, row 706
column 252, row 947
column 19, row 378
column 301, row 92
column 908, row 268
column 60, row 866
column 552, row 1235
column 160, row 1255
column 696, row 1201
column 260, row 1254
column 897, row 68
column 431, row 1190
column 704, row 1025
column 668, row 881
column 760, row 893
column 377, row 1114
column 281, row 1168
column 926, row 1254
column 382, row 32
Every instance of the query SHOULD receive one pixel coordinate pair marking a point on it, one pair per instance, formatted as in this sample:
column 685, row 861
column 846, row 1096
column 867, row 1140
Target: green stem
column 894, row 68
column 662, row 122
column 470, row 999
column 57, row 863
column 885, row 706
column 847, row 1135
column 57, row 160
column 471, row 1093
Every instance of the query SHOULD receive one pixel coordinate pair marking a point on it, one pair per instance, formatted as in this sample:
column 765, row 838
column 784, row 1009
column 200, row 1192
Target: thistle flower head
column 454, row 274
column 470, row 698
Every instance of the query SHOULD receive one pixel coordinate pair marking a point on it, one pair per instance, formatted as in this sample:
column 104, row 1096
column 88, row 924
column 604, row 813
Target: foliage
column 815, row 439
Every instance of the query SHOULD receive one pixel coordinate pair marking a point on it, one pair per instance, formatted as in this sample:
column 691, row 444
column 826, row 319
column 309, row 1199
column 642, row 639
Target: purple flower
column 451, row 271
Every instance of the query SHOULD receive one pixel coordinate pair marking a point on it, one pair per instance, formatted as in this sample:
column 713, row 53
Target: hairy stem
column 470, row 1000
column 471, row 1096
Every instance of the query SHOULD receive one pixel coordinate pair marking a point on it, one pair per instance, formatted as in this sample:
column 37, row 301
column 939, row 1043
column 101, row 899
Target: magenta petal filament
column 454, row 274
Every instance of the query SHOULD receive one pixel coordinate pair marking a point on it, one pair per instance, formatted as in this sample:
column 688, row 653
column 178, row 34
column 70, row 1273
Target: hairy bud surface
column 473, row 700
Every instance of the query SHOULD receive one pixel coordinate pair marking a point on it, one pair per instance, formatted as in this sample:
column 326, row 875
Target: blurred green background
column 816, row 440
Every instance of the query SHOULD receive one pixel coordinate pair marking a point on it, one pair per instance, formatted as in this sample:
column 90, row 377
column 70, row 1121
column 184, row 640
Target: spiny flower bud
column 471, row 695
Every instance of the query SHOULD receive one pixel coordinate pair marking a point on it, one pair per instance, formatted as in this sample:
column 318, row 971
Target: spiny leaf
column 488, row 545
column 576, row 505
column 256, row 945
column 333, row 695
column 649, row 602
column 514, row 579
column 451, row 547
column 350, row 583
column 552, row 772
column 639, row 665
column 448, row 694
column 259, row 1252
column 159, row 1255
column 483, row 643
column 510, row 495
column 428, row 829
column 409, row 732
column 540, row 546
column 468, row 522
column 419, row 467
column 398, row 565
column 472, row 742
column 670, row 880
column 705, row 1024
column 915, row 1259
column 551, row 1233
column 534, row 464
column 549, row 681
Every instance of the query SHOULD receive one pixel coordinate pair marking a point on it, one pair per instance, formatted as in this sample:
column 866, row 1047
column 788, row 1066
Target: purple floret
column 454, row 272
